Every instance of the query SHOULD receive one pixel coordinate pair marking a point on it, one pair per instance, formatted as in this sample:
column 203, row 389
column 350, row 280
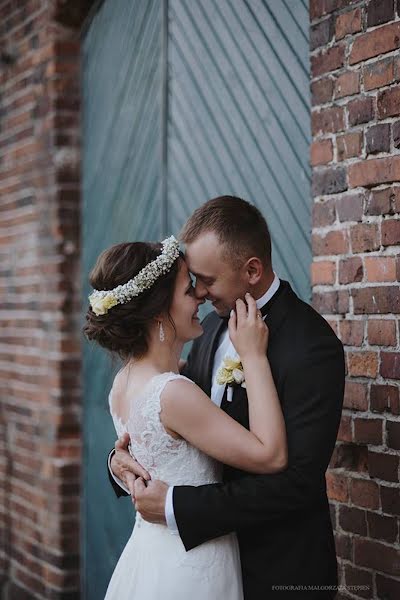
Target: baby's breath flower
column 102, row 300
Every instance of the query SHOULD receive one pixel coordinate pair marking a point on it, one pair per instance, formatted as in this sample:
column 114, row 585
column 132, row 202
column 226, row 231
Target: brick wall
column 355, row 155
column 40, row 445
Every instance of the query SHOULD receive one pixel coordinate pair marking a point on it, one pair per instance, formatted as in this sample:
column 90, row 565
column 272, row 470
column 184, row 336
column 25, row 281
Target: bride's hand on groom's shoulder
column 125, row 466
column 247, row 330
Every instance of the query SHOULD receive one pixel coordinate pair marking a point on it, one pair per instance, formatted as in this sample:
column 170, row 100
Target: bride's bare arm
column 190, row 413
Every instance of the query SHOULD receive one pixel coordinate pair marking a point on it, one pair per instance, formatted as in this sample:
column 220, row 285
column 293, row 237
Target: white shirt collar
column 269, row 293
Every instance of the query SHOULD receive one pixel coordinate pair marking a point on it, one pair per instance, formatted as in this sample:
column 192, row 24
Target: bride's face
column 185, row 306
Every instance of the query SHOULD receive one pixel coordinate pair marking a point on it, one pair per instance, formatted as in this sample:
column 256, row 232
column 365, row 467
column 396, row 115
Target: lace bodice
column 172, row 460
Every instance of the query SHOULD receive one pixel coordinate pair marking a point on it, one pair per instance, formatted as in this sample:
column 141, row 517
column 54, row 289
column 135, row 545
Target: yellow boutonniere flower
column 230, row 372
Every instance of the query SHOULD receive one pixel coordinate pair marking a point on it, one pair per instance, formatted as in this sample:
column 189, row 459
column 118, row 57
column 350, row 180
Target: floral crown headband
column 102, row 300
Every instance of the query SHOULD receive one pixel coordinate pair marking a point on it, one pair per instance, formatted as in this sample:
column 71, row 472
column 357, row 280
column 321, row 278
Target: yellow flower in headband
column 101, row 306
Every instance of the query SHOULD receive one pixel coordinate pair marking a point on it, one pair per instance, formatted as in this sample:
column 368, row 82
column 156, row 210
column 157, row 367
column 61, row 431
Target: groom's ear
column 254, row 269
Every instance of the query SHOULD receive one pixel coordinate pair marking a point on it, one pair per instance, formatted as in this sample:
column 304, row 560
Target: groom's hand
column 124, row 466
column 150, row 500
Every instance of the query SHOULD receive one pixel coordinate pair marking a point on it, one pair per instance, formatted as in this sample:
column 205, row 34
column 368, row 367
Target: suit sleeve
column 119, row 491
column 312, row 402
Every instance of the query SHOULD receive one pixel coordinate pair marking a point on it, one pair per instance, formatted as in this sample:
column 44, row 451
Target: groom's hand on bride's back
column 124, row 466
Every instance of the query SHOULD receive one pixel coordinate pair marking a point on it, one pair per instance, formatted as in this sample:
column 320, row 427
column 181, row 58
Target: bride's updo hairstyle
column 124, row 329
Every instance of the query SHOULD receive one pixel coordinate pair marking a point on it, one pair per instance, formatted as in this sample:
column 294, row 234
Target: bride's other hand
column 124, row 466
column 247, row 330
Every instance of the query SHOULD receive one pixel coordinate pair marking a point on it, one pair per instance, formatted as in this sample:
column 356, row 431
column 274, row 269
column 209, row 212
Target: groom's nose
column 200, row 290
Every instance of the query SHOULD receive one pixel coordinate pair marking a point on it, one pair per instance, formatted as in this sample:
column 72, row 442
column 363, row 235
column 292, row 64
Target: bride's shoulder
column 178, row 389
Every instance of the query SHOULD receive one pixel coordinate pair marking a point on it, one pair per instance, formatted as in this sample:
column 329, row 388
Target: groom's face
column 218, row 278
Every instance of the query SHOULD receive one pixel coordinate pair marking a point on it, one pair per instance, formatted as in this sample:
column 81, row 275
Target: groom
column 282, row 520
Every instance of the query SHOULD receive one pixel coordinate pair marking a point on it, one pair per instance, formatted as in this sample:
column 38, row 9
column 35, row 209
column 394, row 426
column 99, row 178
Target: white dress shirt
column 225, row 348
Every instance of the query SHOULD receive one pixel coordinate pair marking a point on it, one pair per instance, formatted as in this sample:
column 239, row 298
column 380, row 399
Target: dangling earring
column 161, row 329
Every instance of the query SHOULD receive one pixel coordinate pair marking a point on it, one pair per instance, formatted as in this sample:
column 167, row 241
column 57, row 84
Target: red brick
column 388, row 103
column 332, row 302
column 353, row 520
column 360, row 110
column 385, row 397
column 321, row 33
column 387, row 587
column 319, row 8
column 350, row 270
column 345, row 433
column 328, row 60
column 382, row 332
column 347, row 84
column 321, row 152
column 395, row 199
column 393, row 434
column 364, row 237
column 351, row 332
column 368, row 431
column 374, row 171
column 390, row 365
column 396, row 133
column 324, row 213
column 327, row 120
column 323, row 272
column 377, row 556
column 380, row 268
column 328, row 180
column 390, row 500
column 349, row 145
column 350, row 207
column 380, row 41
column 360, row 580
column 344, row 545
column 333, row 242
column 391, row 232
column 376, row 300
column 322, row 90
column 383, row 466
column 33, row 400
column 337, row 486
column 380, row 202
column 378, row 74
column 355, row 396
column 364, row 493
column 379, row 11
column 349, row 22
column 377, row 139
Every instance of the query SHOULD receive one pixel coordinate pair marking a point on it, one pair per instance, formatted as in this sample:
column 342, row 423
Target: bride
column 144, row 309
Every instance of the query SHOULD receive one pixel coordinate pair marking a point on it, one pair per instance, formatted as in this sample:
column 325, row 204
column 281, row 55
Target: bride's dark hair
column 124, row 329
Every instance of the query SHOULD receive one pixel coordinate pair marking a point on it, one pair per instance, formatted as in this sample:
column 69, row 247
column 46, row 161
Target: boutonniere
column 231, row 374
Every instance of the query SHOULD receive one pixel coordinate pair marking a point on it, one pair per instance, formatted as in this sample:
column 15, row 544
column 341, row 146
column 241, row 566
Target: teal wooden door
column 122, row 191
column 184, row 100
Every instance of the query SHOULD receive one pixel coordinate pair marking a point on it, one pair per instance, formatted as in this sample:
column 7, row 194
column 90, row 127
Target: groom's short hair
column 239, row 226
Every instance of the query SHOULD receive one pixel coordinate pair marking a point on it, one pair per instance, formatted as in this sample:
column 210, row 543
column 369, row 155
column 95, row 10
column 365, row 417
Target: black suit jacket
column 282, row 520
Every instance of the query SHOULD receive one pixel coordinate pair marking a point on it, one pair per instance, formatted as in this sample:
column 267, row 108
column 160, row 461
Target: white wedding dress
column 154, row 564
